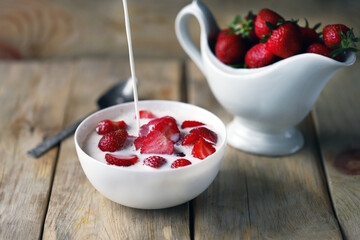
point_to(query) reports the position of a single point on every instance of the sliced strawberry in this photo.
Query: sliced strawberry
(202, 149)
(144, 130)
(107, 126)
(121, 160)
(205, 133)
(138, 142)
(146, 114)
(169, 128)
(190, 139)
(189, 124)
(156, 142)
(157, 120)
(182, 162)
(113, 141)
(154, 161)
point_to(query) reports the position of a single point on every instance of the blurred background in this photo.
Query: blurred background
(76, 28)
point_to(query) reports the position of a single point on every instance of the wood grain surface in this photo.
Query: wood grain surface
(257, 197)
(31, 108)
(337, 117)
(302, 196)
(76, 209)
(62, 28)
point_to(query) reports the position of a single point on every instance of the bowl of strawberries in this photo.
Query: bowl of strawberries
(170, 158)
(267, 71)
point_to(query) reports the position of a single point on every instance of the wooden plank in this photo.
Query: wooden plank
(261, 197)
(31, 108)
(53, 28)
(337, 118)
(76, 209)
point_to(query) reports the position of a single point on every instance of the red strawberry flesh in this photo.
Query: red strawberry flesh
(146, 114)
(157, 143)
(169, 128)
(121, 160)
(202, 149)
(190, 124)
(205, 133)
(190, 139)
(138, 142)
(107, 126)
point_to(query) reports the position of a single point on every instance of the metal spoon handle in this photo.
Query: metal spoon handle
(53, 141)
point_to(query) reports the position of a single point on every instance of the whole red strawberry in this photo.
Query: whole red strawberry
(319, 48)
(285, 41)
(182, 162)
(309, 35)
(331, 34)
(113, 141)
(229, 47)
(339, 38)
(259, 56)
(266, 15)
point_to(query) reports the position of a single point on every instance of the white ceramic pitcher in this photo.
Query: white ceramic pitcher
(267, 102)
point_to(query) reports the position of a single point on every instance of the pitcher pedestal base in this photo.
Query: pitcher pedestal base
(248, 140)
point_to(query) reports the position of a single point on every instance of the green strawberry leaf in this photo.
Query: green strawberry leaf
(306, 23)
(270, 25)
(336, 52)
(238, 65)
(316, 26)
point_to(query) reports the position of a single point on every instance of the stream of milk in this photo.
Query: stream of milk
(132, 64)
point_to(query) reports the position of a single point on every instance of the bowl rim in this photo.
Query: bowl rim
(222, 145)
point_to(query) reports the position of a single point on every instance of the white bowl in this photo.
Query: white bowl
(140, 188)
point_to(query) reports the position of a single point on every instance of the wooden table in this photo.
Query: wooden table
(302, 196)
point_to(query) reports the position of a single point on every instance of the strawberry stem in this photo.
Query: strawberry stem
(348, 42)
(242, 26)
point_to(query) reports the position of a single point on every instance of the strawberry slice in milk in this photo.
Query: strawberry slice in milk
(162, 141)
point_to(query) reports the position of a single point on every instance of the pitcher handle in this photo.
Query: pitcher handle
(208, 28)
